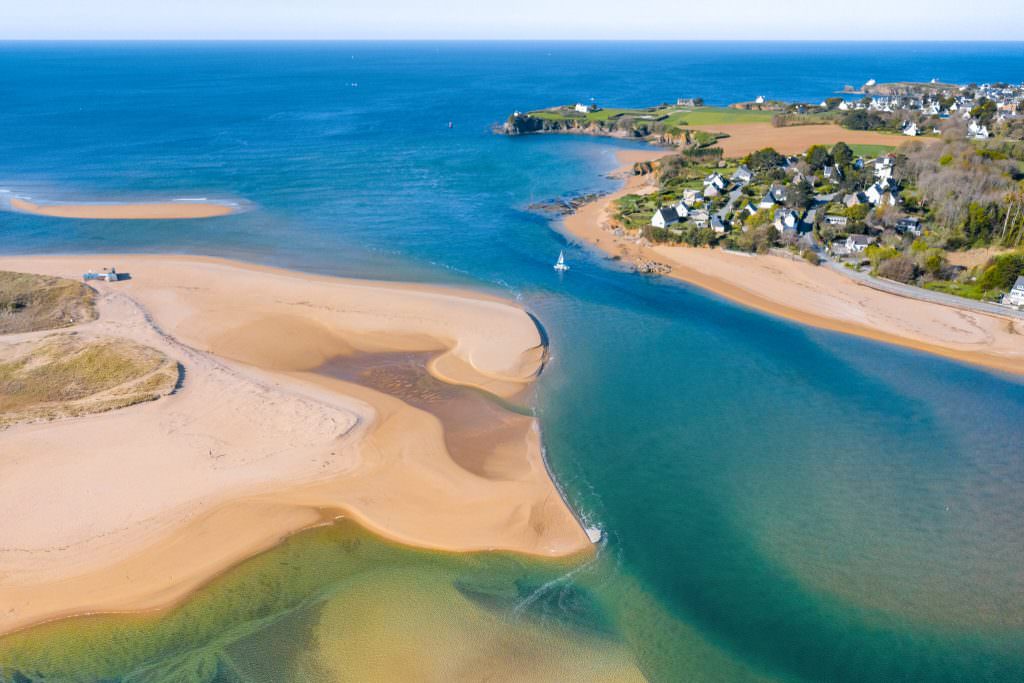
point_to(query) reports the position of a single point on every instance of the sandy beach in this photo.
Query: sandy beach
(812, 295)
(133, 509)
(140, 211)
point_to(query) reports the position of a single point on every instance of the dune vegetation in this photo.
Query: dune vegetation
(29, 303)
(67, 375)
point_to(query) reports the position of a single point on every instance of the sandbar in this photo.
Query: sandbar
(131, 211)
(134, 509)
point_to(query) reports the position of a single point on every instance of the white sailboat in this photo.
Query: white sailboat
(560, 264)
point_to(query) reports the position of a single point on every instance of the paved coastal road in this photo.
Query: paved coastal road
(920, 293)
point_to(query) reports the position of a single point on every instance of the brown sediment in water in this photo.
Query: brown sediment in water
(155, 500)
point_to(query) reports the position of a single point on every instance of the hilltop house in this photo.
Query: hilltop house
(1015, 297)
(584, 108)
(664, 217)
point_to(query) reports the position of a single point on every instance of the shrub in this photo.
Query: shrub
(899, 268)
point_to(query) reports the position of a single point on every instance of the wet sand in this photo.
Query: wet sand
(135, 509)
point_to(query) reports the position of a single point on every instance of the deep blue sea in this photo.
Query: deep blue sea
(781, 502)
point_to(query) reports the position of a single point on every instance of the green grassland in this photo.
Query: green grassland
(64, 375)
(668, 116)
(38, 302)
(868, 151)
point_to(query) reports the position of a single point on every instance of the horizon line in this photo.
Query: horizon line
(498, 40)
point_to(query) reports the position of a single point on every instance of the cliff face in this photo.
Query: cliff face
(525, 124)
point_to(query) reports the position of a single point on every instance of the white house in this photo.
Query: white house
(585, 108)
(909, 224)
(833, 219)
(858, 243)
(767, 201)
(844, 106)
(743, 175)
(1015, 297)
(854, 199)
(715, 180)
(832, 173)
(691, 197)
(786, 220)
(883, 168)
(717, 225)
(759, 100)
(877, 194)
(910, 129)
(700, 218)
(664, 217)
(682, 210)
(976, 131)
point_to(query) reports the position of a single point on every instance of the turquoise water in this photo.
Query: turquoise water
(780, 502)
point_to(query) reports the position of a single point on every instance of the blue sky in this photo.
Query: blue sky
(485, 19)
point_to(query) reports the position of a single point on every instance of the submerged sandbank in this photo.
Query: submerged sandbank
(129, 211)
(135, 509)
(813, 295)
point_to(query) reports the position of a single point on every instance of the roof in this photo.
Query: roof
(860, 239)
(668, 213)
(1019, 284)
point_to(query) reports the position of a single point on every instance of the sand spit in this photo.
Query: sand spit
(812, 295)
(133, 509)
(140, 211)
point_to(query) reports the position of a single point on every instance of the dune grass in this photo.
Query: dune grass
(38, 302)
(64, 375)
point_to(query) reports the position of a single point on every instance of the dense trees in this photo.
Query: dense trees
(764, 159)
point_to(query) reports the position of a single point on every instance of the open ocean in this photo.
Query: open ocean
(780, 502)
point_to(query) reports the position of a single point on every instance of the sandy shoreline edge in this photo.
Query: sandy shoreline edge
(811, 295)
(133, 510)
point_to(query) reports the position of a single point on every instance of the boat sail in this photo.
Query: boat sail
(560, 264)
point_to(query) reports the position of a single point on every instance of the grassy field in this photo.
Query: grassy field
(669, 116)
(64, 375)
(969, 291)
(39, 302)
(871, 150)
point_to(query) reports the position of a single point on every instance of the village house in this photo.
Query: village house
(716, 181)
(664, 217)
(691, 197)
(786, 220)
(857, 243)
(682, 210)
(879, 195)
(700, 218)
(910, 225)
(854, 199)
(742, 175)
(1015, 297)
(835, 219)
(832, 173)
(717, 225)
